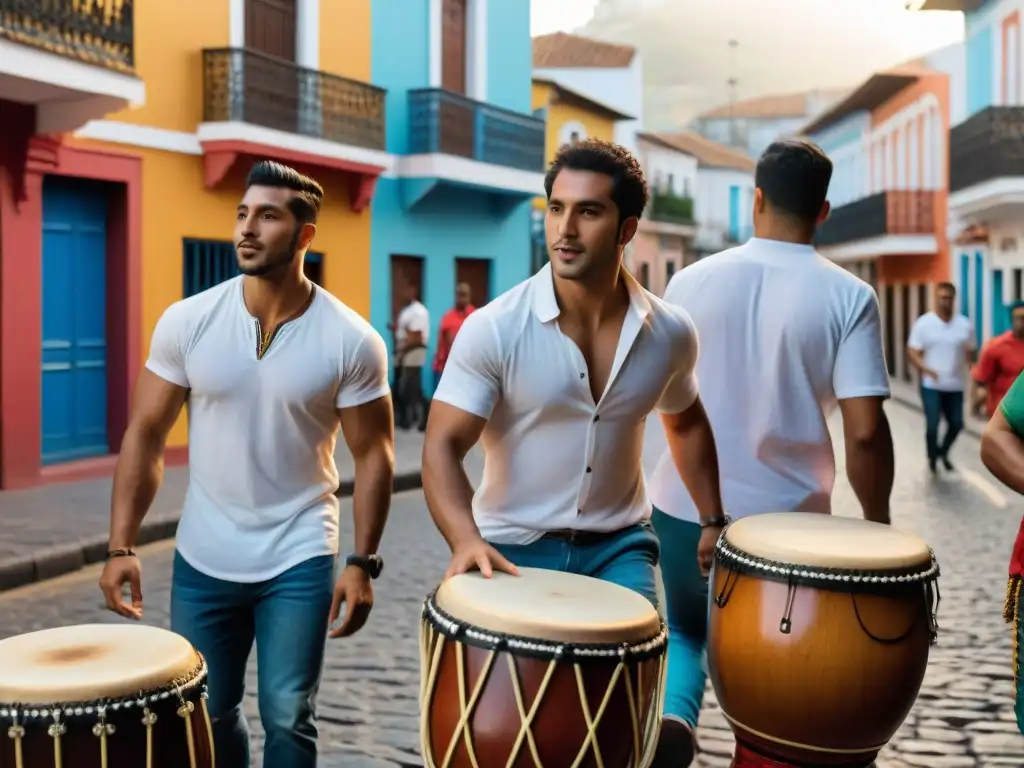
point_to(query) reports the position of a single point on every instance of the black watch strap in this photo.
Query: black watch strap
(716, 522)
(112, 553)
(371, 564)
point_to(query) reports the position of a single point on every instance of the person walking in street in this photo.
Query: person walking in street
(999, 364)
(271, 366)
(941, 346)
(451, 322)
(1002, 452)
(786, 337)
(412, 334)
(557, 376)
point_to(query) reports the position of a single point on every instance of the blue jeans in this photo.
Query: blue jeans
(937, 406)
(686, 609)
(627, 558)
(287, 616)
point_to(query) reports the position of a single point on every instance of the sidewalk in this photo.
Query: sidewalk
(54, 529)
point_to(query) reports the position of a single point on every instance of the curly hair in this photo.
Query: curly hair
(629, 187)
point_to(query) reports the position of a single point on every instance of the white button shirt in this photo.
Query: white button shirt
(555, 459)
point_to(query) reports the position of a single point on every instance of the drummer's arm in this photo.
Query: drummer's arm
(159, 396)
(465, 397)
(1002, 450)
(861, 384)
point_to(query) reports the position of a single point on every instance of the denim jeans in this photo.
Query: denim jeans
(941, 405)
(287, 616)
(686, 610)
(628, 558)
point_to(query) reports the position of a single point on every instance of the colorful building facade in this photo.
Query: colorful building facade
(468, 152)
(888, 224)
(125, 202)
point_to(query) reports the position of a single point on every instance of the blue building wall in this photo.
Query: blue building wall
(980, 69)
(509, 55)
(851, 128)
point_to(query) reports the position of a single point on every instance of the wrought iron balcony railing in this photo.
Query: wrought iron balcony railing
(246, 86)
(986, 146)
(897, 212)
(447, 123)
(671, 209)
(99, 32)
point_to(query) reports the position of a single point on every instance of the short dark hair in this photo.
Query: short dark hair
(629, 187)
(794, 174)
(1015, 306)
(946, 286)
(305, 206)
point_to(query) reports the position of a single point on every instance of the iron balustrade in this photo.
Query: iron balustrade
(896, 212)
(99, 32)
(451, 124)
(986, 146)
(250, 87)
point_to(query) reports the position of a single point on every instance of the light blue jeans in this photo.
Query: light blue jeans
(628, 558)
(287, 617)
(686, 609)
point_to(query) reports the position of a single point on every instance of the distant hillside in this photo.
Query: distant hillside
(784, 46)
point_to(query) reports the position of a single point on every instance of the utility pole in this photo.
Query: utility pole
(733, 81)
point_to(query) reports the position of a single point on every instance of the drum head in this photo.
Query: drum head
(90, 662)
(550, 605)
(827, 541)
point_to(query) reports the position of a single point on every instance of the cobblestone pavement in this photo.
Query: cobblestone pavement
(369, 705)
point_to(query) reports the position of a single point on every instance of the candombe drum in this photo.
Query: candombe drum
(820, 629)
(103, 696)
(545, 669)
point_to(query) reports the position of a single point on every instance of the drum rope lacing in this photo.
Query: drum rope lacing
(792, 574)
(60, 713)
(438, 626)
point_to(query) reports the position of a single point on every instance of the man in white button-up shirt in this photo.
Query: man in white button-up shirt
(558, 376)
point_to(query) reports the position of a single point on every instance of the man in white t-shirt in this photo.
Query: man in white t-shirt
(785, 335)
(557, 377)
(942, 347)
(270, 366)
(412, 334)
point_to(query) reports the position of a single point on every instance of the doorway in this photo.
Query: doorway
(476, 273)
(405, 271)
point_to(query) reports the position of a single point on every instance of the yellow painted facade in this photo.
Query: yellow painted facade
(176, 204)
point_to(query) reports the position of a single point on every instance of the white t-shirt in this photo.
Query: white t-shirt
(414, 317)
(945, 348)
(554, 459)
(784, 334)
(262, 433)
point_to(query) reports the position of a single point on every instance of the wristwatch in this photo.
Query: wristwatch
(715, 522)
(372, 564)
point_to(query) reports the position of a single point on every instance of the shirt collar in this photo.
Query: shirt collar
(545, 303)
(780, 247)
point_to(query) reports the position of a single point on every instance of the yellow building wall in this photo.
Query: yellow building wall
(175, 201)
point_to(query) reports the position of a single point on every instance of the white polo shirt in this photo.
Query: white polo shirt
(785, 333)
(262, 433)
(944, 347)
(555, 459)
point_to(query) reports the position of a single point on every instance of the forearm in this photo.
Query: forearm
(870, 469)
(916, 358)
(695, 456)
(1003, 454)
(449, 493)
(137, 477)
(371, 500)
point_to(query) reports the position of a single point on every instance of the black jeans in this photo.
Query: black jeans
(410, 404)
(937, 406)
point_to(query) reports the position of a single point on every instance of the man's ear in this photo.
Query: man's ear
(628, 230)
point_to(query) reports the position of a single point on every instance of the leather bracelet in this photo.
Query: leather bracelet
(112, 553)
(718, 522)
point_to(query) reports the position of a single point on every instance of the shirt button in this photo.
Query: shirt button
(588, 469)
(583, 375)
(579, 511)
(597, 418)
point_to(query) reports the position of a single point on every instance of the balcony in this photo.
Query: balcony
(255, 104)
(471, 144)
(669, 214)
(986, 164)
(897, 221)
(73, 61)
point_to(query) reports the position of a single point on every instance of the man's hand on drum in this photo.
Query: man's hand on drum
(477, 554)
(116, 573)
(354, 590)
(706, 548)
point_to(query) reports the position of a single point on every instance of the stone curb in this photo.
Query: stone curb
(57, 561)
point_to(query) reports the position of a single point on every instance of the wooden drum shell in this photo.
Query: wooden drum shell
(826, 693)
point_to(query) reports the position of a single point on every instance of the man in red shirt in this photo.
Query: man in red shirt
(1001, 361)
(450, 324)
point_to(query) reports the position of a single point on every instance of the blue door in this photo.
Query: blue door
(734, 213)
(74, 376)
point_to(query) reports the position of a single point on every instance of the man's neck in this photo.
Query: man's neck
(591, 301)
(272, 300)
(945, 316)
(785, 234)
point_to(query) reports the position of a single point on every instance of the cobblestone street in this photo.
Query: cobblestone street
(369, 702)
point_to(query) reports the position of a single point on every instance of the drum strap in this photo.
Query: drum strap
(1011, 614)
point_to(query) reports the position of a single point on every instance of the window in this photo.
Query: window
(574, 137)
(210, 262)
(645, 275)
(670, 269)
(671, 184)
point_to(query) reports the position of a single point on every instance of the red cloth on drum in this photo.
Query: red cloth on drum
(1011, 608)
(745, 758)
